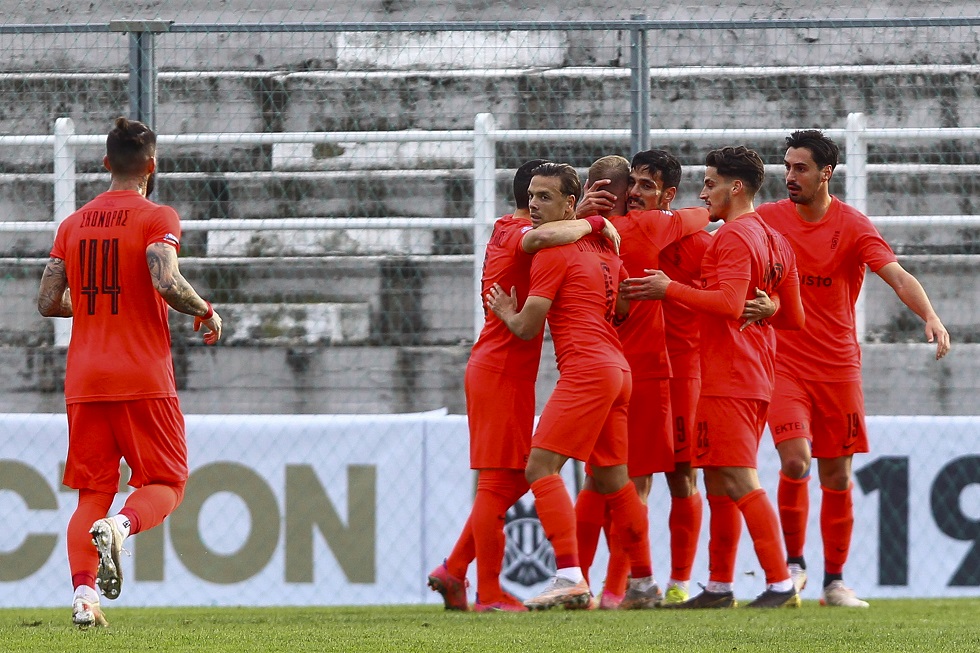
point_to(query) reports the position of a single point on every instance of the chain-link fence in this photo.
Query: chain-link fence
(325, 172)
(327, 167)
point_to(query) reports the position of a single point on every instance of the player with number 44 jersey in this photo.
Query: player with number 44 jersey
(113, 269)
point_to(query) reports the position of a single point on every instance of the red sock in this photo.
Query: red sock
(836, 524)
(793, 498)
(763, 525)
(149, 505)
(724, 529)
(496, 492)
(618, 568)
(557, 515)
(685, 529)
(590, 515)
(83, 557)
(631, 525)
(464, 551)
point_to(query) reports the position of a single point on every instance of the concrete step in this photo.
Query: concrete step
(378, 299)
(899, 379)
(428, 300)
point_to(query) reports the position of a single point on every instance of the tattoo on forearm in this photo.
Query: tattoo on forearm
(175, 290)
(53, 299)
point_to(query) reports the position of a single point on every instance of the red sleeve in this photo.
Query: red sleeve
(727, 301)
(58, 248)
(789, 312)
(692, 220)
(163, 227)
(875, 251)
(547, 273)
(665, 227)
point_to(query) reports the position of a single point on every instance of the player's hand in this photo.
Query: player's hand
(213, 326)
(502, 304)
(936, 332)
(595, 201)
(652, 286)
(758, 309)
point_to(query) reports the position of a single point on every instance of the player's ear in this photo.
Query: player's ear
(669, 194)
(105, 163)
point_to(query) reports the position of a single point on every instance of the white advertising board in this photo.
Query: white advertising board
(355, 510)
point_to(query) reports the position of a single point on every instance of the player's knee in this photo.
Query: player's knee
(796, 467)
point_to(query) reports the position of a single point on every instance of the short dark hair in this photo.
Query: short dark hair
(660, 161)
(571, 184)
(129, 146)
(825, 151)
(522, 179)
(738, 162)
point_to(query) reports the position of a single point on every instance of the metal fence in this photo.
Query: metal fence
(335, 181)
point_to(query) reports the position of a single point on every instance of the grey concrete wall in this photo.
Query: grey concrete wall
(899, 379)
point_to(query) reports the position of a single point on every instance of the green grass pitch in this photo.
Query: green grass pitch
(888, 626)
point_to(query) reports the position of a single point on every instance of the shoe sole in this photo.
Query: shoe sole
(576, 602)
(790, 603)
(719, 605)
(436, 585)
(109, 576)
(859, 606)
(88, 619)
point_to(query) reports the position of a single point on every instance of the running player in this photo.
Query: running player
(737, 372)
(113, 268)
(818, 406)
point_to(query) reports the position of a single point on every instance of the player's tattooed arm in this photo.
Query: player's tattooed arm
(168, 281)
(53, 298)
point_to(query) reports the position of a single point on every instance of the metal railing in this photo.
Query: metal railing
(484, 138)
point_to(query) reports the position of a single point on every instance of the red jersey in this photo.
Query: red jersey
(741, 364)
(831, 255)
(120, 340)
(582, 281)
(508, 264)
(681, 261)
(644, 235)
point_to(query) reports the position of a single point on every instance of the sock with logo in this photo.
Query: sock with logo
(793, 497)
(557, 516)
(83, 558)
(684, 524)
(590, 514)
(630, 523)
(763, 525)
(836, 525)
(149, 505)
(725, 529)
(496, 491)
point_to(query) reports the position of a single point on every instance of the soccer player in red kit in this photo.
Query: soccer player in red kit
(737, 369)
(113, 269)
(818, 406)
(654, 179)
(502, 370)
(575, 288)
(645, 234)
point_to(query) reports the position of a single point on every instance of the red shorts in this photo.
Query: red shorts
(828, 414)
(147, 433)
(651, 447)
(727, 432)
(684, 393)
(500, 413)
(586, 418)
